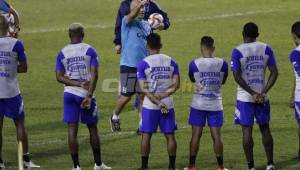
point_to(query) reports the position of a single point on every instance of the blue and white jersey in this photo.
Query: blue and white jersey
(134, 42)
(295, 60)
(76, 60)
(11, 53)
(158, 71)
(208, 74)
(252, 59)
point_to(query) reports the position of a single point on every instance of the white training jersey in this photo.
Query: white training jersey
(76, 60)
(11, 53)
(208, 75)
(158, 71)
(295, 60)
(252, 59)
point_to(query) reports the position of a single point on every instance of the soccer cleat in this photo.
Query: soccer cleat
(270, 167)
(190, 167)
(77, 168)
(102, 166)
(30, 165)
(2, 166)
(115, 124)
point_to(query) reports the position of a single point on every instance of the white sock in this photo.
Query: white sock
(115, 117)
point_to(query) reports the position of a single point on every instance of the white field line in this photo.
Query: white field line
(198, 18)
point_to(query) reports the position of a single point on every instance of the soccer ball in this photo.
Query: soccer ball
(12, 30)
(155, 19)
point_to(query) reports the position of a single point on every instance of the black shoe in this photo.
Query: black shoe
(114, 124)
(142, 168)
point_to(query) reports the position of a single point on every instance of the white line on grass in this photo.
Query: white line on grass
(197, 18)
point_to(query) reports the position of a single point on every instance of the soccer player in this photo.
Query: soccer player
(158, 76)
(249, 63)
(134, 33)
(150, 8)
(208, 73)
(77, 68)
(295, 60)
(12, 16)
(12, 61)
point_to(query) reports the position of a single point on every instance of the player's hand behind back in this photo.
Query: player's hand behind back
(163, 108)
(86, 103)
(85, 85)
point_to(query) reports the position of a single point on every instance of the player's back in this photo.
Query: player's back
(253, 58)
(159, 75)
(208, 74)
(76, 60)
(9, 58)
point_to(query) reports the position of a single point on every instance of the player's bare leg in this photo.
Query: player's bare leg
(218, 145)
(95, 143)
(1, 139)
(248, 145)
(114, 119)
(145, 149)
(267, 141)
(141, 97)
(194, 144)
(22, 136)
(172, 149)
(73, 143)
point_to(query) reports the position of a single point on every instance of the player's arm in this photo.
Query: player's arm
(237, 73)
(172, 89)
(273, 70)
(135, 11)
(61, 78)
(123, 11)
(22, 58)
(272, 78)
(241, 82)
(292, 99)
(224, 69)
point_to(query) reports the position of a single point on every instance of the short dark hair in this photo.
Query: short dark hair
(154, 41)
(3, 23)
(250, 30)
(207, 41)
(76, 30)
(296, 29)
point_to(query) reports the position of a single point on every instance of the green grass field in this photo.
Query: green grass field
(44, 33)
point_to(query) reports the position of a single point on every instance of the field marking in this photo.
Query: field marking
(197, 18)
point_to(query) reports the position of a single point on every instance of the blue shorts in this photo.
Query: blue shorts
(12, 108)
(73, 112)
(245, 112)
(199, 118)
(151, 119)
(297, 111)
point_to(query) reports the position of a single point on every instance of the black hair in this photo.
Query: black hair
(250, 30)
(296, 29)
(207, 41)
(154, 41)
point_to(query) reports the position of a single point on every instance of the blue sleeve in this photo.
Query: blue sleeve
(176, 68)
(142, 66)
(224, 67)
(20, 50)
(154, 8)
(192, 69)
(4, 6)
(271, 60)
(235, 60)
(123, 11)
(295, 60)
(94, 56)
(59, 64)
